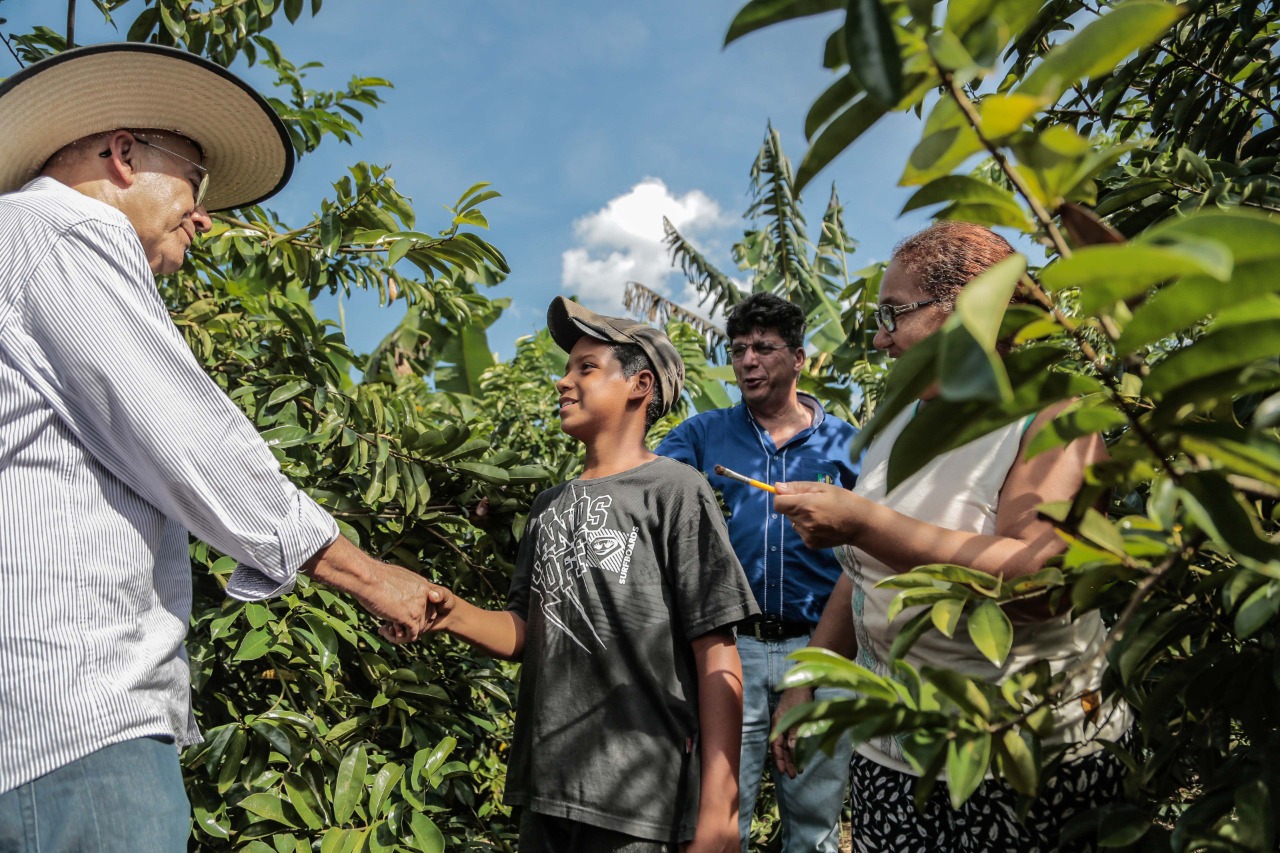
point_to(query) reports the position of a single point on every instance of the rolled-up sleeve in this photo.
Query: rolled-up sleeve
(91, 333)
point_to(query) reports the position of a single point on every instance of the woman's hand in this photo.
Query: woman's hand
(824, 515)
(783, 745)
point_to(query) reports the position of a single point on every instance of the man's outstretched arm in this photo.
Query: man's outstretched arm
(390, 592)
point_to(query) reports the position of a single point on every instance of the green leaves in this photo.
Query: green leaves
(758, 14)
(842, 131)
(426, 835)
(967, 761)
(872, 48)
(1098, 47)
(1107, 274)
(1220, 351)
(350, 785)
(971, 200)
(991, 631)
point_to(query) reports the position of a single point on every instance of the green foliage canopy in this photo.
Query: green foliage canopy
(1137, 141)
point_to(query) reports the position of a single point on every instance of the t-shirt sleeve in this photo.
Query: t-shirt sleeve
(95, 340)
(711, 590)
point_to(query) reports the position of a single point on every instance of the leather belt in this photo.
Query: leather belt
(773, 628)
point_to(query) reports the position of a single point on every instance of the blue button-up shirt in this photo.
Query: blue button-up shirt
(790, 580)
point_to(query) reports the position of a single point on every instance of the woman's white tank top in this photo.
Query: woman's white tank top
(960, 490)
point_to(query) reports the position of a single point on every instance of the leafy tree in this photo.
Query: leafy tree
(1156, 315)
(319, 735)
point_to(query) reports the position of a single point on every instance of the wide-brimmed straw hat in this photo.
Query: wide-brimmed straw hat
(134, 86)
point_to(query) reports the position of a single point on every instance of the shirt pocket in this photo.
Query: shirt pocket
(814, 471)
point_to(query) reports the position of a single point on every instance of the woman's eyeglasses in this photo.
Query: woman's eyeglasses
(887, 315)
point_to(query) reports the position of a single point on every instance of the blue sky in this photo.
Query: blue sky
(592, 119)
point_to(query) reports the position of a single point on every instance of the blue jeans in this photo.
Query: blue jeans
(124, 798)
(808, 805)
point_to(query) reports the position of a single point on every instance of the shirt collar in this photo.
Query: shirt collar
(808, 400)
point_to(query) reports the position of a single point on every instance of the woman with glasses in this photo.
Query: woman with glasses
(973, 506)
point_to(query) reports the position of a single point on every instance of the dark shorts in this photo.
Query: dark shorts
(885, 819)
(542, 834)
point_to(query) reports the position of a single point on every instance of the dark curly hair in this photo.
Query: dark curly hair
(767, 312)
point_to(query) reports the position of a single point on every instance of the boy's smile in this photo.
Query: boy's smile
(593, 390)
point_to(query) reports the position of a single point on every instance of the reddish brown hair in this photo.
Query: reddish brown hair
(946, 255)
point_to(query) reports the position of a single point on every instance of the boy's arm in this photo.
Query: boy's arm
(720, 723)
(499, 633)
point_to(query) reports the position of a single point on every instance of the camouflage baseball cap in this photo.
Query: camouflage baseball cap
(568, 321)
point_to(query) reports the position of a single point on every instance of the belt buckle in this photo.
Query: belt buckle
(769, 628)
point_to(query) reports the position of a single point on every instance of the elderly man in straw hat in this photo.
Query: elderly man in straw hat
(114, 445)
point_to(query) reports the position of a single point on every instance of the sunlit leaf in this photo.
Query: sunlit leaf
(991, 631)
(1017, 763)
(254, 645)
(1003, 115)
(426, 835)
(946, 615)
(268, 806)
(960, 188)
(967, 760)
(1100, 46)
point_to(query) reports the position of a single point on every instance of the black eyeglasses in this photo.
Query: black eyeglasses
(887, 315)
(200, 189)
(762, 350)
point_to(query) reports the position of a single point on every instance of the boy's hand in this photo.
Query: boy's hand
(707, 840)
(440, 604)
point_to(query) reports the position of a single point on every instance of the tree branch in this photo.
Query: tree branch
(1038, 209)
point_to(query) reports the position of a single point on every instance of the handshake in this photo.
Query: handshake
(409, 604)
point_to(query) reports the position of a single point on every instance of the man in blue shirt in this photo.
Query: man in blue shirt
(775, 434)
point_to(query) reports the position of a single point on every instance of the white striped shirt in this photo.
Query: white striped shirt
(113, 445)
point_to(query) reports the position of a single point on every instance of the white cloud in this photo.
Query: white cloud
(622, 242)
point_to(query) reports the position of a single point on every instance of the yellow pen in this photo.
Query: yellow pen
(725, 472)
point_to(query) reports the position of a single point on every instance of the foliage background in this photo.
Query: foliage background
(1157, 311)
(1137, 141)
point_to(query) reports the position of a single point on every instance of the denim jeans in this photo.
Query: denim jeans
(124, 798)
(809, 805)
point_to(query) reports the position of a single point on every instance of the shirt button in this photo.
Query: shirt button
(773, 548)
(775, 515)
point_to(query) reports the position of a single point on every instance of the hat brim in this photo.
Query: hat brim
(567, 321)
(136, 86)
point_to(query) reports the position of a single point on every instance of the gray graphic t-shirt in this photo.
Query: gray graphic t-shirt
(615, 577)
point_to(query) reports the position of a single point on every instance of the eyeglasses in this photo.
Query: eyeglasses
(200, 189)
(762, 350)
(887, 315)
